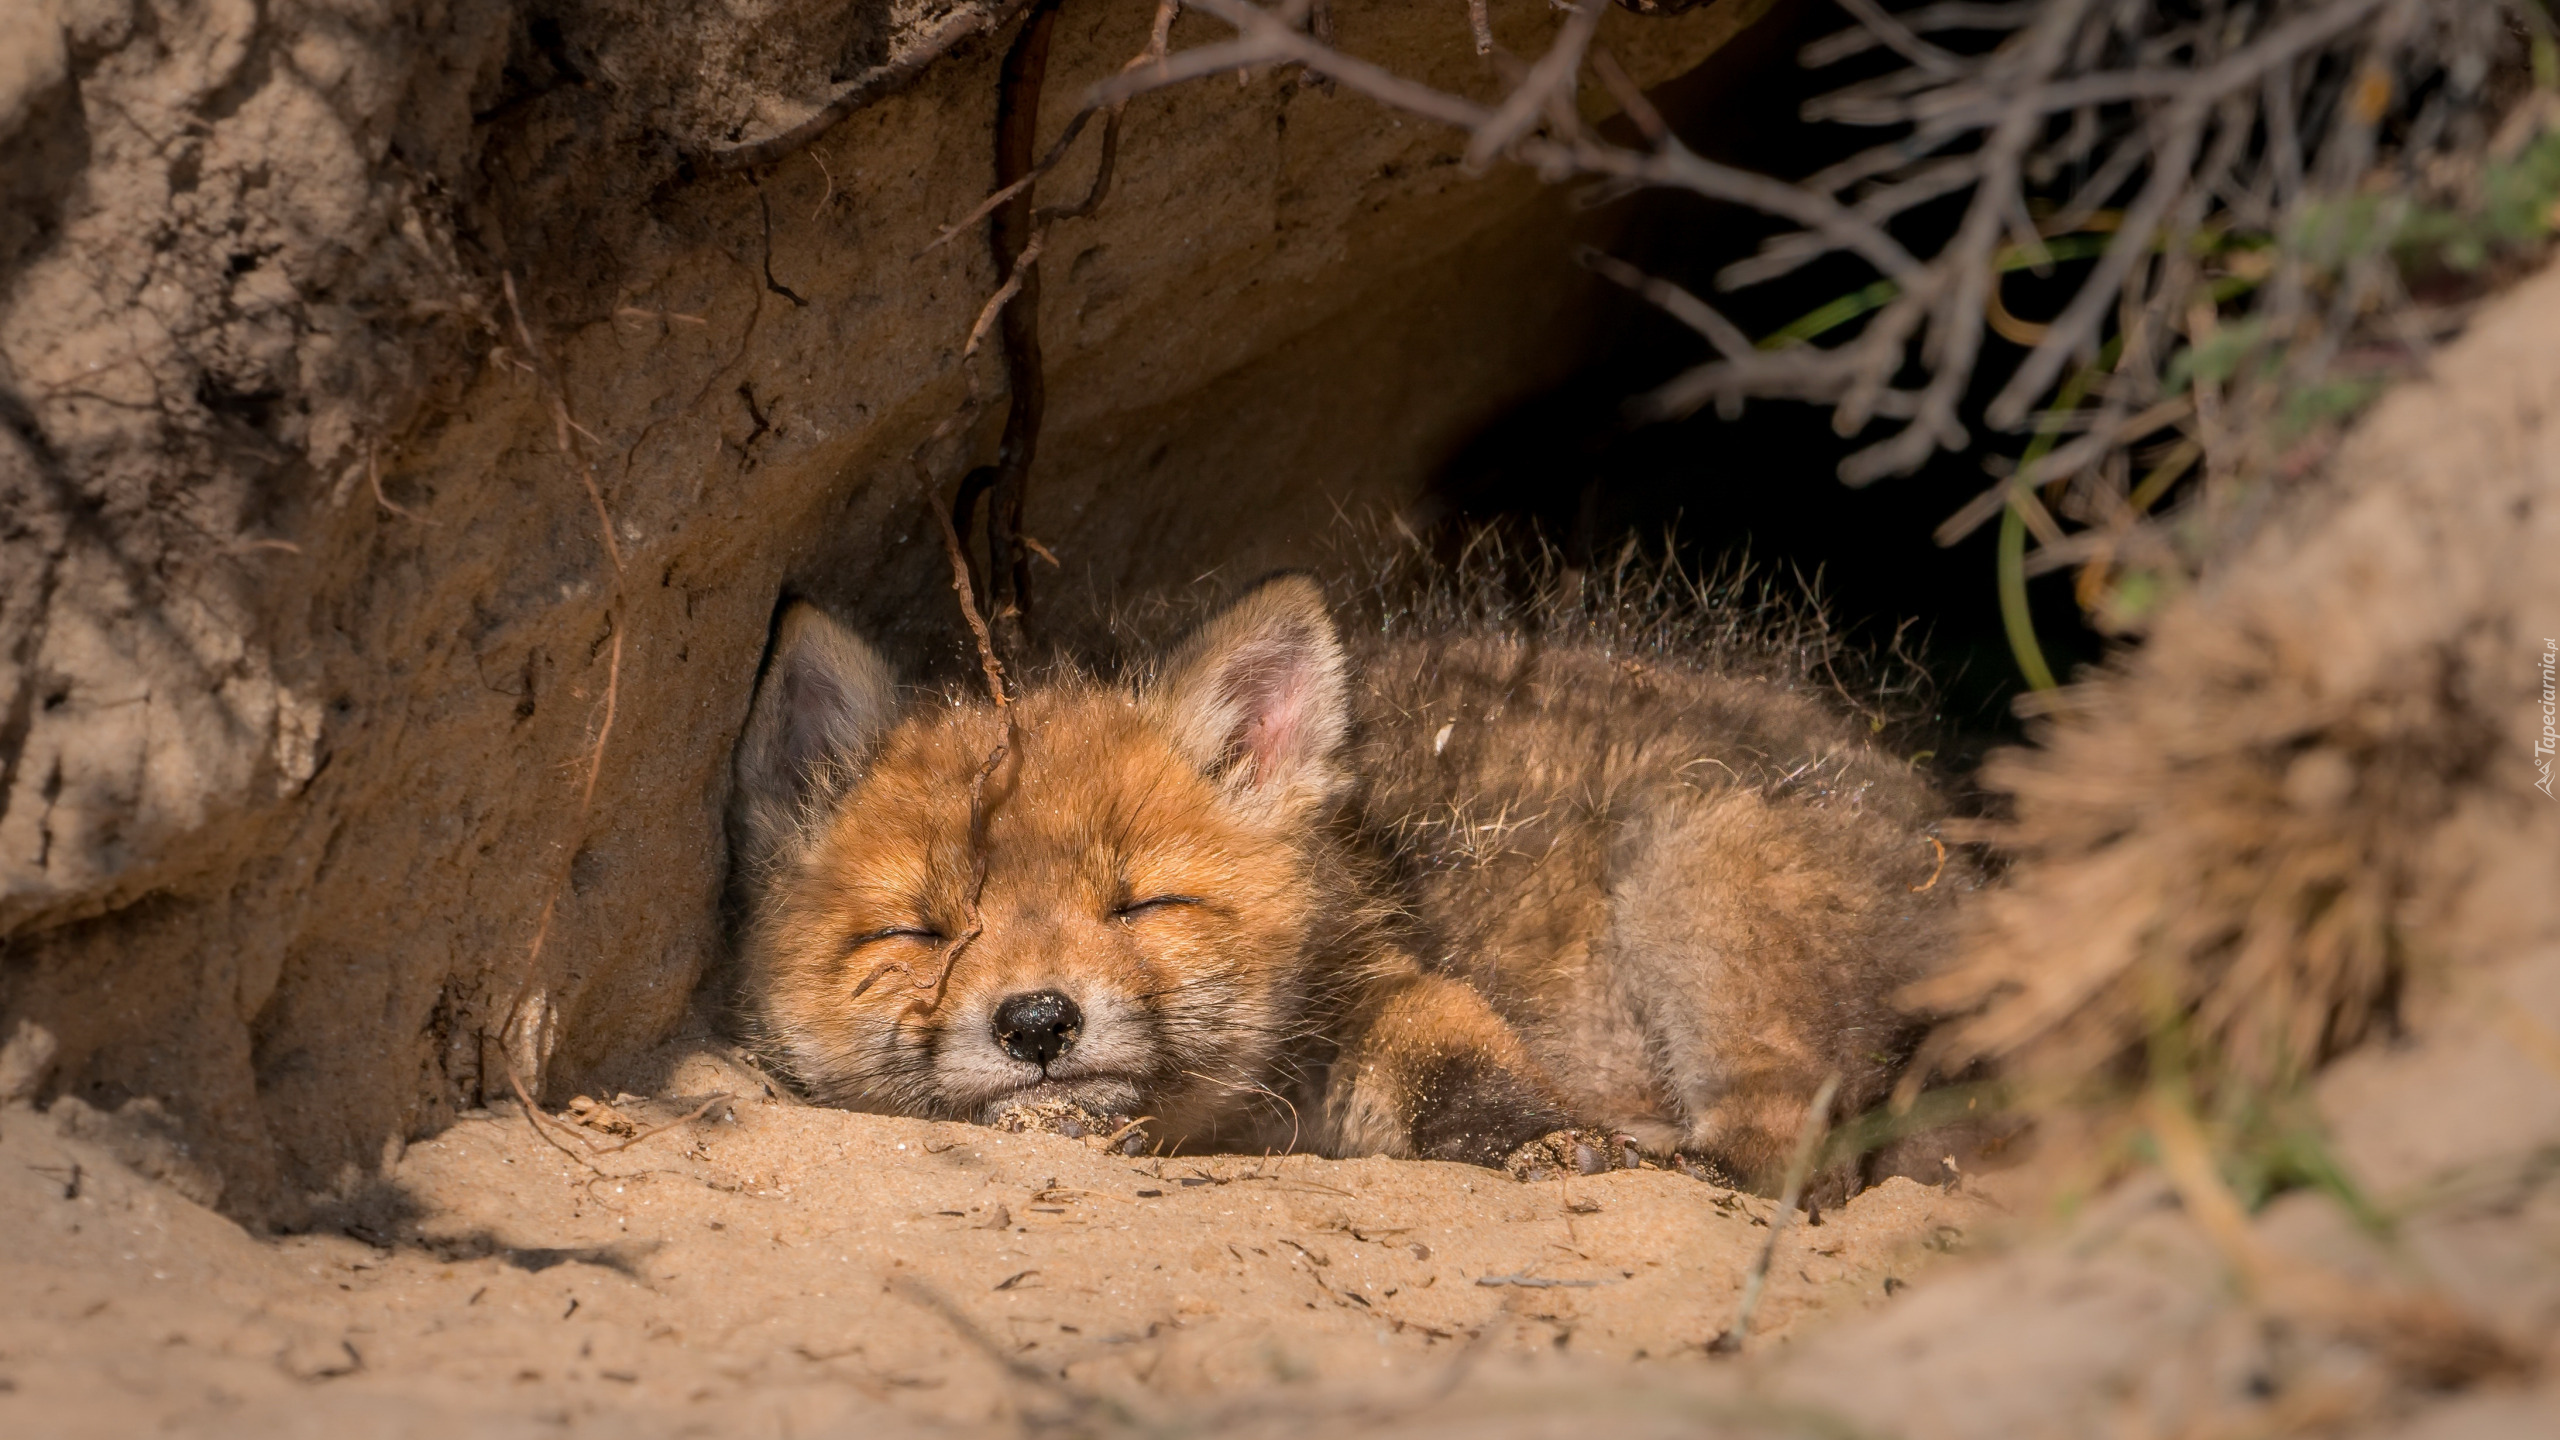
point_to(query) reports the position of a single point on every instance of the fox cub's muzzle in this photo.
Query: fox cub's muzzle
(1038, 1027)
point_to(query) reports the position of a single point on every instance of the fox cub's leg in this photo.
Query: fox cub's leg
(1430, 1072)
(1765, 940)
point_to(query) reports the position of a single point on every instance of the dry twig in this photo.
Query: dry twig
(992, 670)
(1817, 1121)
(681, 1121)
(2133, 138)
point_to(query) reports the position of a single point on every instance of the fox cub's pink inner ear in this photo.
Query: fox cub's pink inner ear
(824, 698)
(1258, 697)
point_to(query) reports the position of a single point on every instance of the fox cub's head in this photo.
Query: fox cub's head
(1103, 902)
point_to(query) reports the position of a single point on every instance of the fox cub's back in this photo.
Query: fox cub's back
(1691, 893)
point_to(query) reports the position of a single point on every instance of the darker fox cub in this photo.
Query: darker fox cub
(1467, 893)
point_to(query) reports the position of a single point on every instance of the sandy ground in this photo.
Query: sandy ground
(770, 1269)
(774, 1269)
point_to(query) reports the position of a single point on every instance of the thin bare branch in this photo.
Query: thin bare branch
(1928, 19)
(1679, 304)
(1552, 76)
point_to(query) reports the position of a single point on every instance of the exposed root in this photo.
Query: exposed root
(563, 424)
(565, 429)
(543, 1124)
(680, 1122)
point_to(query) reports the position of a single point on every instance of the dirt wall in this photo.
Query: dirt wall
(372, 641)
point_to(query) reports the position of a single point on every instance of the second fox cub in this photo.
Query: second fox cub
(1446, 898)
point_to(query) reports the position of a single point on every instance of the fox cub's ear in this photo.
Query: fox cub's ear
(1259, 697)
(825, 697)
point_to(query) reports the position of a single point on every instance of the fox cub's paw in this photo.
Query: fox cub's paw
(1573, 1152)
(1074, 1122)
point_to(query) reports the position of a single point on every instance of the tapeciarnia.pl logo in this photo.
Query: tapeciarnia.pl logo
(2550, 737)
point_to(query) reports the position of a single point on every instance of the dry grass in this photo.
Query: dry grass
(2316, 784)
(2220, 840)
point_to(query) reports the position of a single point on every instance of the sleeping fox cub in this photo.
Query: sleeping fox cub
(1463, 900)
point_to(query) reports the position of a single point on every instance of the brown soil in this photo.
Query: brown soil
(775, 1267)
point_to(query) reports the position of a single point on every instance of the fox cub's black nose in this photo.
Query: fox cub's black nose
(1039, 1026)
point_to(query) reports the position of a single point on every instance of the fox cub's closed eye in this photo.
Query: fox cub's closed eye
(917, 933)
(1132, 909)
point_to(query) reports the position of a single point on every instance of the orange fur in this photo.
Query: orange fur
(1475, 893)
